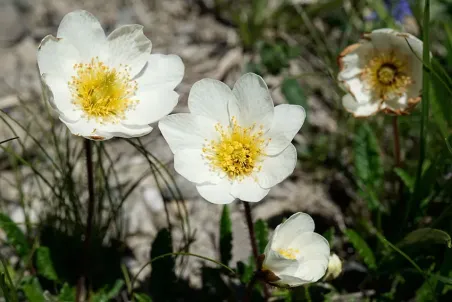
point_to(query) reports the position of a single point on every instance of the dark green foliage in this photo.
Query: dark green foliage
(293, 92)
(261, 229)
(15, 235)
(368, 166)
(362, 248)
(67, 294)
(225, 236)
(426, 236)
(33, 291)
(162, 276)
(44, 264)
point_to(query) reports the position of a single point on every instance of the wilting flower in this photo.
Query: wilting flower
(334, 268)
(233, 144)
(382, 73)
(107, 86)
(295, 255)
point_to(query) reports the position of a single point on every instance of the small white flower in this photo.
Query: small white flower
(295, 255)
(334, 268)
(383, 72)
(107, 86)
(233, 144)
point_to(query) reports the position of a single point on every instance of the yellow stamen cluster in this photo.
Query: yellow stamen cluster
(238, 151)
(101, 92)
(386, 76)
(289, 253)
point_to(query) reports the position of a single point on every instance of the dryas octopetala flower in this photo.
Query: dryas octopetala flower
(383, 72)
(334, 268)
(105, 86)
(295, 255)
(233, 144)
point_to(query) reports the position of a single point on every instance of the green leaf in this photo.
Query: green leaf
(293, 92)
(67, 294)
(426, 236)
(368, 166)
(407, 179)
(114, 291)
(162, 274)
(362, 248)
(225, 236)
(15, 235)
(44, 263)
(33, 291)
(142, 297)
(261, 230)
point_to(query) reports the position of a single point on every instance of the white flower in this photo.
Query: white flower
(107, 86)
(383, 72)
(233, 144)
(334, 268)
(295, 255)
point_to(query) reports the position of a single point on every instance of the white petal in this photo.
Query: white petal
(152, 106)
(60, 97)
(191, 164)
(278, 264)
(97, 131)
(248, 190)
(254, 103)
(290, 280)
(187, 131)
(382, 39)
(129, 46)
(57, 57)
(357, 88)
(210, 98)
(276, 168)
(286, 232)
(84, 31)
(218, 193)
(287, 121)
(359, 110)
(315, 252)
(396, 104)
(353, 59)
(161, 71)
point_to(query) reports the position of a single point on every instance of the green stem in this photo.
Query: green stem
(89, 221)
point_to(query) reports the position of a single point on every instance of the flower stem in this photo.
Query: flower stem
(249, 221)
(249, 288)
(89, 219)
(395, 127)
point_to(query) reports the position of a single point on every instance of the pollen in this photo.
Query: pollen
(238, 151)
(386, 75)
(289, 253)
(102, 93)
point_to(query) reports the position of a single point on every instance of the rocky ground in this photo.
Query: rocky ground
(208, 49)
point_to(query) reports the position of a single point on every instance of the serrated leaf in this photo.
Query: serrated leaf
(293, 92)
(33, 291)
(15, 235)
(368, 166)
(142, 297)
(67, 293)
(44, 263)
(426, 235)
(225, 236)
(261, 230)
(407, 179)
(362, 248)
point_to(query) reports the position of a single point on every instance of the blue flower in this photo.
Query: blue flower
(400, 9)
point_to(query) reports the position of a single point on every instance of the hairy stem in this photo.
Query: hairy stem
(89, 220)
(249, 222)
(395, 127)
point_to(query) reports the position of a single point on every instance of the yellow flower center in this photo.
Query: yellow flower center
(238, 151)
(101, 92)
(289, 253)
(386, 75)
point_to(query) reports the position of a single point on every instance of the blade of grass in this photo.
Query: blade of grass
(424, 114)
